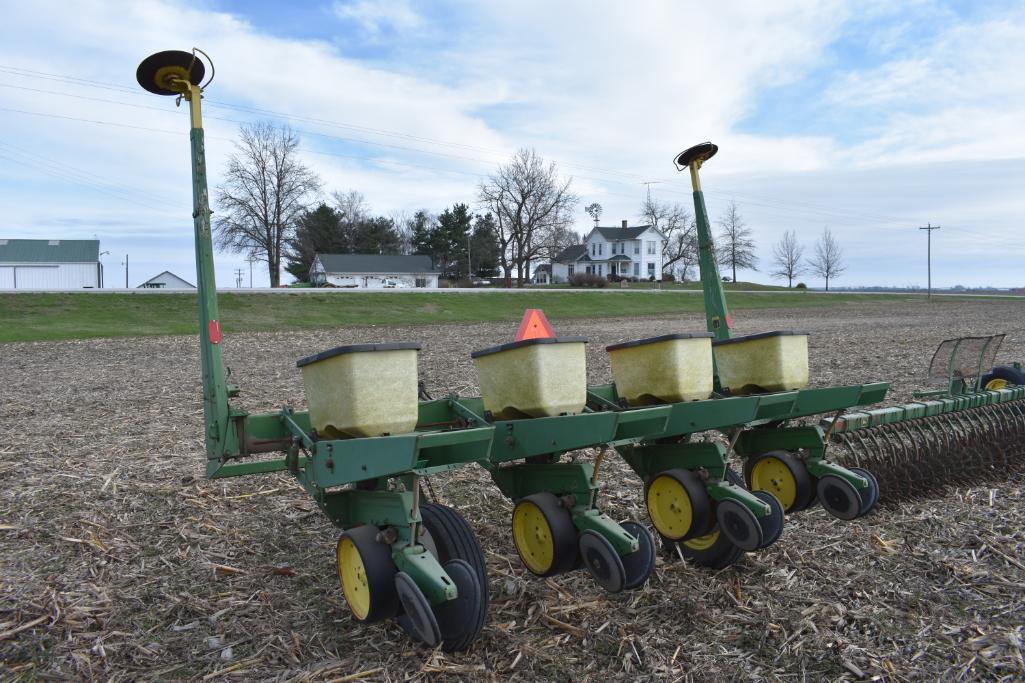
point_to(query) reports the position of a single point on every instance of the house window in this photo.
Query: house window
(651, 248)
(637, 247)
(587, 269)
(637, 270)
(599, 269)
(569, 271)
(600, 248)
(421, 282)
(651, 270)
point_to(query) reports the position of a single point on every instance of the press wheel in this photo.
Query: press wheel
(544, 535)
(460, 620)
(739, 524)
(772, 524)
(783, 475)
(678, 505)
(839, 497)
(420, 616)
(870, 496)
(367, 574)
(602, 561)
(448, 537)
(639, 564)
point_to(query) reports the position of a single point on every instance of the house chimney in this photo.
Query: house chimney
(624, 224)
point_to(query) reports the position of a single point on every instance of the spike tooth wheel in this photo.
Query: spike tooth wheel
(367, 574)
(544, 535)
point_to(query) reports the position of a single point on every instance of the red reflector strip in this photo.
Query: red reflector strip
(215, 332)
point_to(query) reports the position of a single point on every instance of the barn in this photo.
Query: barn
(373, 271)
(50, 264)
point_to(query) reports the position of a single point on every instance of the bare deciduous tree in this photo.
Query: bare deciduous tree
(265, 190)
(529, 201)
(680, 248)
(786, 258)
(736, 248)
(828, 259)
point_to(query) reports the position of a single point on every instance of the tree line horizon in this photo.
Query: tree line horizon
(272, 209)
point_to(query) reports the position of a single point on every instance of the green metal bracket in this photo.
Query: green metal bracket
(589, 519)
(647, 460)
(723, 490)
(425, 570)
(560, 478)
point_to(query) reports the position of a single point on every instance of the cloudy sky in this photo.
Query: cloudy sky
(870, 117)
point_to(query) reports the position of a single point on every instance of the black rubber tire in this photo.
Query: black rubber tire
(772, 526)
(454, 538)
(380, 572)
(564, 534)
(461, 620)
(870, 496)
(804, 484)
(739, 524)
(638, 565)
(839, 498)
(1008, 373)
(702, 516)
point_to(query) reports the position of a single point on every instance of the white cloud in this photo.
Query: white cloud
(374, 16)
(611, 91)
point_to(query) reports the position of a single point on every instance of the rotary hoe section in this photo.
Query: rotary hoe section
(969, 431)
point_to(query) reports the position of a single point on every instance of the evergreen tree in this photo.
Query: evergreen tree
(484, 246)
(317, 231)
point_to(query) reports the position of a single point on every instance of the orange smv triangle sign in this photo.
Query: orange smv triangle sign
(534, 325)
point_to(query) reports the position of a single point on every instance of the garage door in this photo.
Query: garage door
(6, 277)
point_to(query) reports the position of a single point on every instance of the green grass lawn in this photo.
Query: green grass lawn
(42, 316)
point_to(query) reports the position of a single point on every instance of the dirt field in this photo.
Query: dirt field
(119, 561)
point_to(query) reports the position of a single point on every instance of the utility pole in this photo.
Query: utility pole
(239, 272)
(125, 264)
(469, 266)
(929, 227)
(250, 260)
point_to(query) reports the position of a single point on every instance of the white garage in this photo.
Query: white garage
(373, 271)
(50, 264)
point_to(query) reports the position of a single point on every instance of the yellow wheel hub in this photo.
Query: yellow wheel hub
(996, 384)
(353, 576)
(533, 537)
(703, 542)
(772, 475)
(670, 507)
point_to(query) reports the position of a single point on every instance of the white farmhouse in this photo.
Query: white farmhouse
(373, 271)
(50, 264)
(624, 252)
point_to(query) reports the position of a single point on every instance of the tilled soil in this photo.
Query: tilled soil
(118, 560)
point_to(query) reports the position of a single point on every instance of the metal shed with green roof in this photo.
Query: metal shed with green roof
(50, 264)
